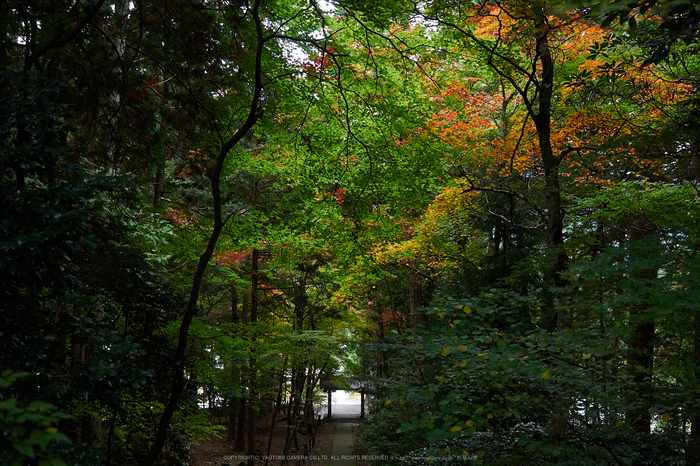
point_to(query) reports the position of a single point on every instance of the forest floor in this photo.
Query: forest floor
(218, 450)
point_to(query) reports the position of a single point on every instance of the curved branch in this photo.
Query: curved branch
(254, 114)
(58, 40)
(519, 195)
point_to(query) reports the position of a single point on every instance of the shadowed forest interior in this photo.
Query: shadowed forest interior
(480, 217)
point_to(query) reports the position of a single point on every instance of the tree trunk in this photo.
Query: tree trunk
(240, 431)
(550, 163)
(640, 364)
(555, 212)
(693, 451)
(278, 403)
(158, 186)
(234, 400)
(382, 366)
(640, 352)
(293, 411)
(232, 412)
(252, 393)
(414, 295)
(178, 376)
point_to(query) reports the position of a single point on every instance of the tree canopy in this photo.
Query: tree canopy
(487, 209)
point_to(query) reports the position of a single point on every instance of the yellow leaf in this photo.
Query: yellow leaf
(469, 423)
(455, 429)
(666, 417)
(463, 348)
(467, 309)
(620, 423)
(546, 374)
(387, 402)
(445, 351)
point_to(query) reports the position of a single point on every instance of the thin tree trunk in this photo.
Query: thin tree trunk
(293, 419)
(693, 452)
(640, 353)
(414, 296)
(382, 367)
(278, 403)
(232, 418)
(252, 389)
(392, 307)
(242, 401)
(640, 363)
(178, 376)
(233, 401)
(158, 186)
(240, 431)
(290, 416)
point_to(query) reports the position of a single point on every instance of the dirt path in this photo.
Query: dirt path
(333, 439)
(343, 438)
(331, 445)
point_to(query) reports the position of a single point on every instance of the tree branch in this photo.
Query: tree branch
(60, 40)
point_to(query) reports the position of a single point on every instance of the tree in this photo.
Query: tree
(81, 304)
(580, 135)
(657, 25)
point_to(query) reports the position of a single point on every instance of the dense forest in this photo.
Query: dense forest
(488, 209)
